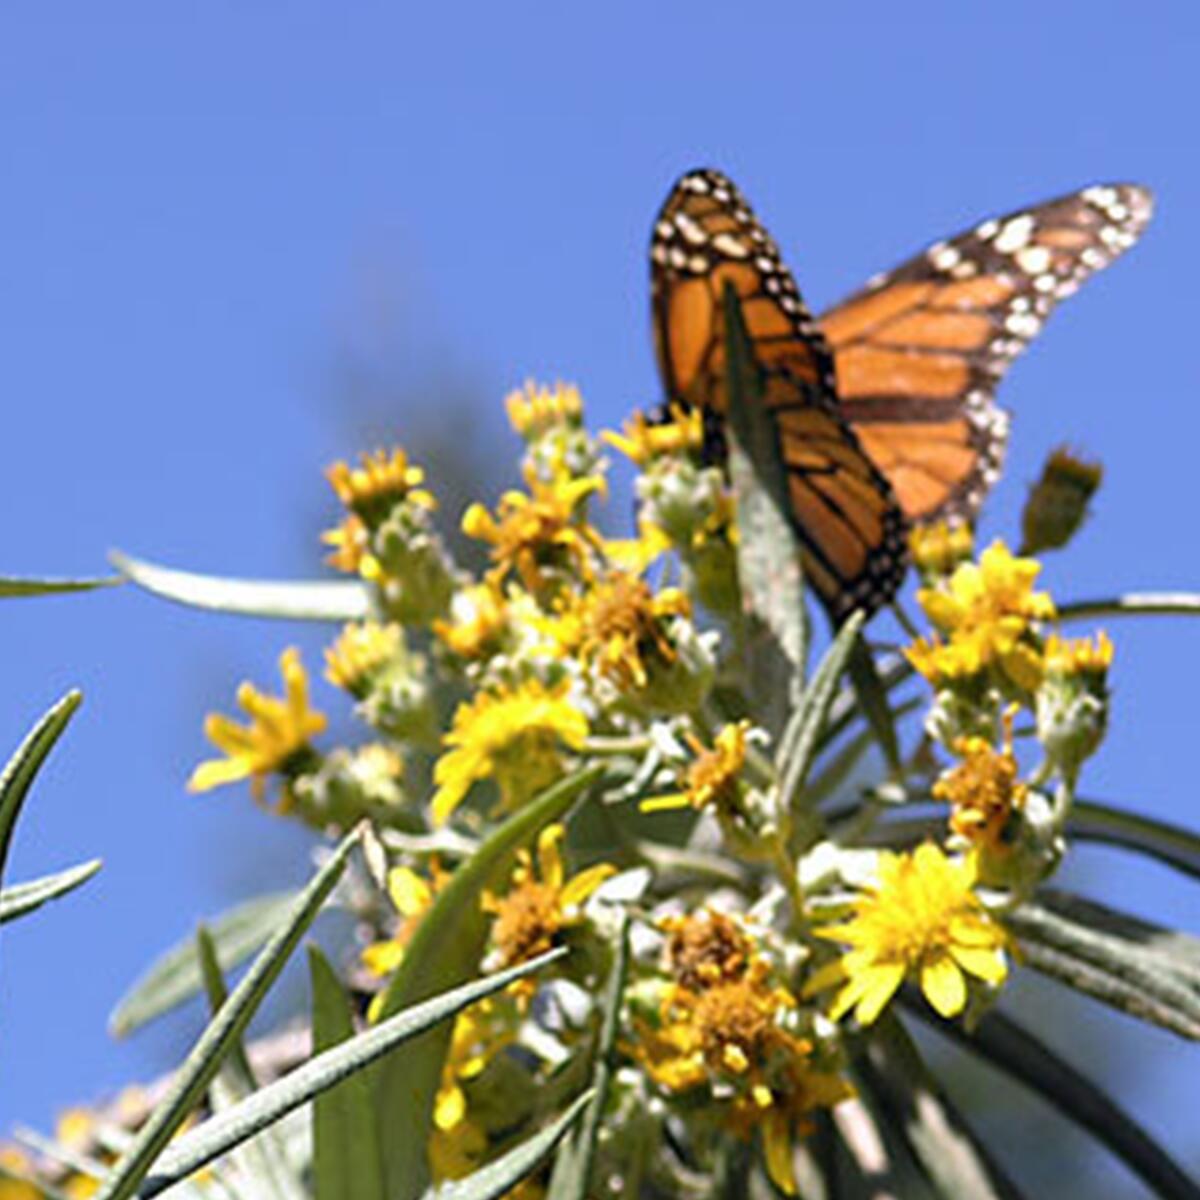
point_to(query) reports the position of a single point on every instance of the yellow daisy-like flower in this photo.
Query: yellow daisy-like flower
(939, 548)
(643, 440)
(539, 530)
(983, 789)
(712, 779)
(619, 627)
(920, 920)
(382, 481)
(540, 902)
(513, 735)
(279, 731)
(637, 554)
(984, 610)
(1079, 656)
(706, 948)
(351, 548)
(412, 895)
(361, 649)
(478, 625)
(535, 409)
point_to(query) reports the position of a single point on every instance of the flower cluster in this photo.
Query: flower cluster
(768, 937)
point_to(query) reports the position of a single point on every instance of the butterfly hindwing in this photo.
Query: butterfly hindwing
(919, 351)
(706, 238)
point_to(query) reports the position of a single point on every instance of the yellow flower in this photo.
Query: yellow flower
(938, 548)
(637, 554)
(412, 897)
(706, 948)
(985, 611)
(360, 651)
(541, 530)
(643, 440)
(540, 902)
(618, 626)
(983, 789)
(1058, 503)
(534, 410)
(921, 919)
(712, 779)
(351, 548)
(278, 732)
(1079, 656)
(14, 1161)
(480, 621)
(382, 481)
(513, 735)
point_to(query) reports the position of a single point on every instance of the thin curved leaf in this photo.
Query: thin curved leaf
(907, 1099)
(220, 1133)
(1134, 604)
(444, 952)
(347, 1160)
(1142, 969)
(12, 588)
(840, 765)
(506, 1172)
(768, 551)
(573, 1165)
(175, 977)
(1171, 844)
(319, 600)
(872, 693)
(222, 1032)
(22, 768)
(1014, 1050)
(22, 898)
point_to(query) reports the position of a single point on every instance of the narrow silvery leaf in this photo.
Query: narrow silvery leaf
(498, 1178)
(22, 898)
(573, 1165)
(222, 1033)
(49, 587)
(872, 693)
(769, 567)
(22, 768)
(1091, 820)
(219, 1134)
(319, 600)
(346, 1157)
(1133, 604)
(1015, 1051)
(444, 952)
(175, 977)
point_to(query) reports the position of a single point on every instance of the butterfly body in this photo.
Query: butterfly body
(885, 404)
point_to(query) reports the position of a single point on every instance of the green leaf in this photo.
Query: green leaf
(841, 763)
(175, 977)
(51, 587)
(1142, 969)
(1133, 604)
(222, 1032)
(20, 770)
(221, 1133)
(1171, 844)
(505, 1173)
(573, 1165)
(1014, 1050)
(347, 1163)
(768, 551)
(800, 741)
(23, 898)
(444, 952)
(262, 1164)
(320, 600)
(872, 693)
(907, 1099)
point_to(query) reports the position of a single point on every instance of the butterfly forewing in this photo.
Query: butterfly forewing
(705, 239)
(920, 350)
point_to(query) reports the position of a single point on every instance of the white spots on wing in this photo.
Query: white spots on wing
(987, 230)
(692, 231)
(658, 252)
(964, 270)
(697, 184)
(1101, 197)
(766, 264)
(1033, 260)
(943, 256)
(1046, 283)
(1093, 259)
(677, 258)
(876, 281)
(698, 264)
(1015, 234)
(731, 246)
(1023, 324)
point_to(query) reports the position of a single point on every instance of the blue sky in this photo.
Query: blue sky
(215, 216)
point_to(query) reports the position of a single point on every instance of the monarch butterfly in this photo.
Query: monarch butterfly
(885, 404)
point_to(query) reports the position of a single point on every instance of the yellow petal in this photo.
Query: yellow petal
(988, 965)
(549, 858)
(665, 803)
(410, 893)
(944, 986)
(585, 883)
(450, 1108)
(878, 986)
(216, 772)
(777, 1151)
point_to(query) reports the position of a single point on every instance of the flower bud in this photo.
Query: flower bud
(1058, 503)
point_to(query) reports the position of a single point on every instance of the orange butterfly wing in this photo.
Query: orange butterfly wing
(851, 530)
(920, 350)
